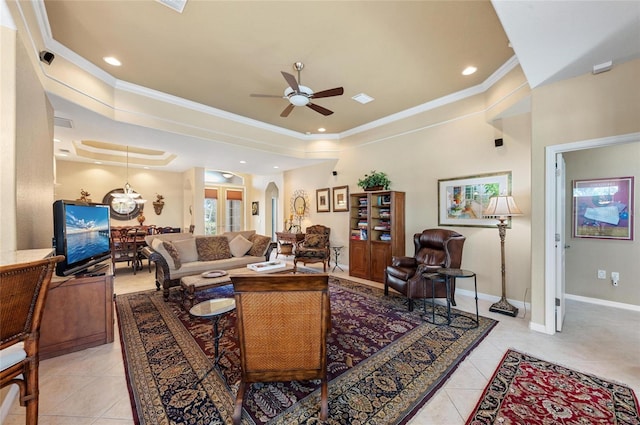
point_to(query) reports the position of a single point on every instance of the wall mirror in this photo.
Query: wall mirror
(299, 205)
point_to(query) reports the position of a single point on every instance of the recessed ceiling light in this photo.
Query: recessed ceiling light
(275, 166)
(469, 70)
(322, 129)
(112, 61)
(243, 162)
(57, 140)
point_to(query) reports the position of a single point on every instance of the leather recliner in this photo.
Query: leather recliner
(434, 249)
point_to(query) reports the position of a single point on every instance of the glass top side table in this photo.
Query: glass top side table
(461, 273)
(336, 254)
(214, 309)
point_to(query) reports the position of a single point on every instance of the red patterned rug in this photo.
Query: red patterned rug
(527, 390)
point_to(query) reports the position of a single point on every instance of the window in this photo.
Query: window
(227, 216)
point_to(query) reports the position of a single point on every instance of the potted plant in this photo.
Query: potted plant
(376, 180)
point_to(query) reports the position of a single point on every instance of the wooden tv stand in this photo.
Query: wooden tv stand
(78, 314)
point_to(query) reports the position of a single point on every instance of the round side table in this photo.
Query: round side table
(336, 254)
(460, 273)
(214, 309)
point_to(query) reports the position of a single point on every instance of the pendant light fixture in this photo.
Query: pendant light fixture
(128, 195)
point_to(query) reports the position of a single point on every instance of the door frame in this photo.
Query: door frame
(550, 213)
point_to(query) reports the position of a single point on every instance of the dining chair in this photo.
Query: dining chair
(23, 292)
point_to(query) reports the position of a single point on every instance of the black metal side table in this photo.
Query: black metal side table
(435, 277)
(460, 273)
(336, 253)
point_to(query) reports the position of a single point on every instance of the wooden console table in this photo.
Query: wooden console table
(78, 314)
(287, 242)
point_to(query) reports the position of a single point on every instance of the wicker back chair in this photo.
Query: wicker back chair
(23, 291)
(283, 323)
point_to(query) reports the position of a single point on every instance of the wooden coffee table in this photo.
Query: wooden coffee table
(189, 285)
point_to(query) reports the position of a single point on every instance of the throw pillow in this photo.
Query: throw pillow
(315, 241)
(212, 248)
(187, 250)
(260, 245)
(157, 246)
(173, 252)
(240, 246)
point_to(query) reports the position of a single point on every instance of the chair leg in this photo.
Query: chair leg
(410, 304)
(324, 401)
(237, 411)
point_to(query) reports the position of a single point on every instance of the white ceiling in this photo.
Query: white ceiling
(402, 53)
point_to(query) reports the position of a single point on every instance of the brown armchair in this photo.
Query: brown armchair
(314, 248)
(283, 322)
(23, 292)
(434, 249)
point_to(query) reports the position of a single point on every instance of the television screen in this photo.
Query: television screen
(81, 235)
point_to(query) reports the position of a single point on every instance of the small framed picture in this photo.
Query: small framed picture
(341, 198)
(255, 208)
(323, 203)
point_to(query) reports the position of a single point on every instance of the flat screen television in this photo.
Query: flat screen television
(81, 233)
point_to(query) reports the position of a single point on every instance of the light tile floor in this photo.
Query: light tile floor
(88, 387)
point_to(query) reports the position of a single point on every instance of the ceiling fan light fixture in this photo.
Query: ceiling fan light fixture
(299, 99)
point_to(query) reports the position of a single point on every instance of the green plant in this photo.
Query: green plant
(375, 178)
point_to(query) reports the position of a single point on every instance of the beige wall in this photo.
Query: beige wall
(99, 180)
(457, 142)
(27, 133)
(581, 108)
(586, 256)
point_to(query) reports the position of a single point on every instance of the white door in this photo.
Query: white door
(560, 239)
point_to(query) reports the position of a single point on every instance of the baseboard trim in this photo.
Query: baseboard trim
(599, 301)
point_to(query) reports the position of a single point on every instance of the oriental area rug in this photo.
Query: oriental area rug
(527, 390)
(384, 362)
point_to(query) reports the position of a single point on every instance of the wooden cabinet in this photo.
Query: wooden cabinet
(78, 314)
(377, 232)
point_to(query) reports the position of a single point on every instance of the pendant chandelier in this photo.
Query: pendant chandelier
(128, 195)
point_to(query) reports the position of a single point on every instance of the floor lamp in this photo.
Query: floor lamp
(502, 208)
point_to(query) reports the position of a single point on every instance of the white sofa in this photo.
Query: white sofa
(177, 255)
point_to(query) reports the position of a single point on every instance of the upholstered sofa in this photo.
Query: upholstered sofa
(177, 255)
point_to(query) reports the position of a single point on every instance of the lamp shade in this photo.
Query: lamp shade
(501, 206)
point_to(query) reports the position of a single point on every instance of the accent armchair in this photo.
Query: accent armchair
(282, 322)
(314, 248)
(434, 249)
(23, 291)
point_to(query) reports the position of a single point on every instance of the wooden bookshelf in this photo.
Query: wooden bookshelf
(376, 223)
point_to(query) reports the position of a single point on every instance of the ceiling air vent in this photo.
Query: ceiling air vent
(177, 5)
(62, 122)
(362, 98)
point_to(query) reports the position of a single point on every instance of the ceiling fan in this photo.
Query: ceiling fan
(299, 95)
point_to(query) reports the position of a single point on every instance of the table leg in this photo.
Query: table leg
(217, 335)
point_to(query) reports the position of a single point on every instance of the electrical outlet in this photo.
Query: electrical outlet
(602, 274)
(615, 278)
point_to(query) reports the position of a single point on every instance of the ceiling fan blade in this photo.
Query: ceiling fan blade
(291, 80)
(328, 93)
(266, 95)
(285, 113)
(318, 108)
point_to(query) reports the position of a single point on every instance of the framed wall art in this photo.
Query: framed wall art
(462, 200)
(341, 198)
(323, 202)
(255, 208)
(603, 208)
